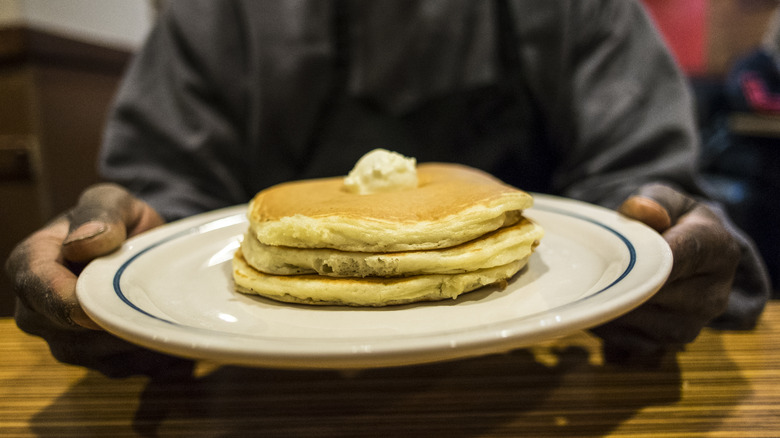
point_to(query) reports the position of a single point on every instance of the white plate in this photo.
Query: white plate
(170, 289)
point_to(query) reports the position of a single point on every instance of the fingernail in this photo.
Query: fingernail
(87, 230)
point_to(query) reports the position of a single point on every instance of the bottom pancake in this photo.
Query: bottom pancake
(368, 291)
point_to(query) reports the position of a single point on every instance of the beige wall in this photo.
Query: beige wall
(121, 24)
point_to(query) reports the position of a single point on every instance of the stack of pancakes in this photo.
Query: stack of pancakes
(314, 242)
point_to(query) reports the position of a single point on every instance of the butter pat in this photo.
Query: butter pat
(382, 171)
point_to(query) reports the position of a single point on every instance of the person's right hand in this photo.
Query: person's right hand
(44, 267)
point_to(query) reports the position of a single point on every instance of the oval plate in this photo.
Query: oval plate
(170, 290)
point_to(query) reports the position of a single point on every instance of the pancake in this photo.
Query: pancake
(451, 205)
(496, 248)
(365, 292)
(391, 232)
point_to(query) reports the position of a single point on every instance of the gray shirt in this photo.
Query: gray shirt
(230, 97)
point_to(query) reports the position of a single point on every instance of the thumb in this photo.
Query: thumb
(657, 206)
(104, 217)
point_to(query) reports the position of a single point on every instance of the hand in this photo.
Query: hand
(697, 290)
(44, 267)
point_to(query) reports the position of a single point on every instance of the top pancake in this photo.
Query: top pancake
(452, 204)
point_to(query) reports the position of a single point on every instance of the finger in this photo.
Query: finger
(657, 205)
(624, 345)
(661, 325)
(648, 212)
(42, 282)
(702, 246)
(646, 334)
(700, 298)
(673, 316)
(699, 241)
(104, 217)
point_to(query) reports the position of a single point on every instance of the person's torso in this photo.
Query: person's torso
(437, 83)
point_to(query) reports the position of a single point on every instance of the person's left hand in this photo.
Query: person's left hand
(697, 290)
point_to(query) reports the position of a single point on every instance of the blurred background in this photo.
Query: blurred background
(61, 60)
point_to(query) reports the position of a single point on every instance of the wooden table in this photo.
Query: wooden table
(726, 384)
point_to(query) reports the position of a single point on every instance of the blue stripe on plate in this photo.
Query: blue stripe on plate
(118, 275)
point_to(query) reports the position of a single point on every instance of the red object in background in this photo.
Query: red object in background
(757, 93)
(683, 23)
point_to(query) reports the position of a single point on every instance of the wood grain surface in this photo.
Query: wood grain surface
(726, 384)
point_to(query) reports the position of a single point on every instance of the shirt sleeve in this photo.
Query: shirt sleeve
(175, 135)
(617, 109)
(620, 114)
